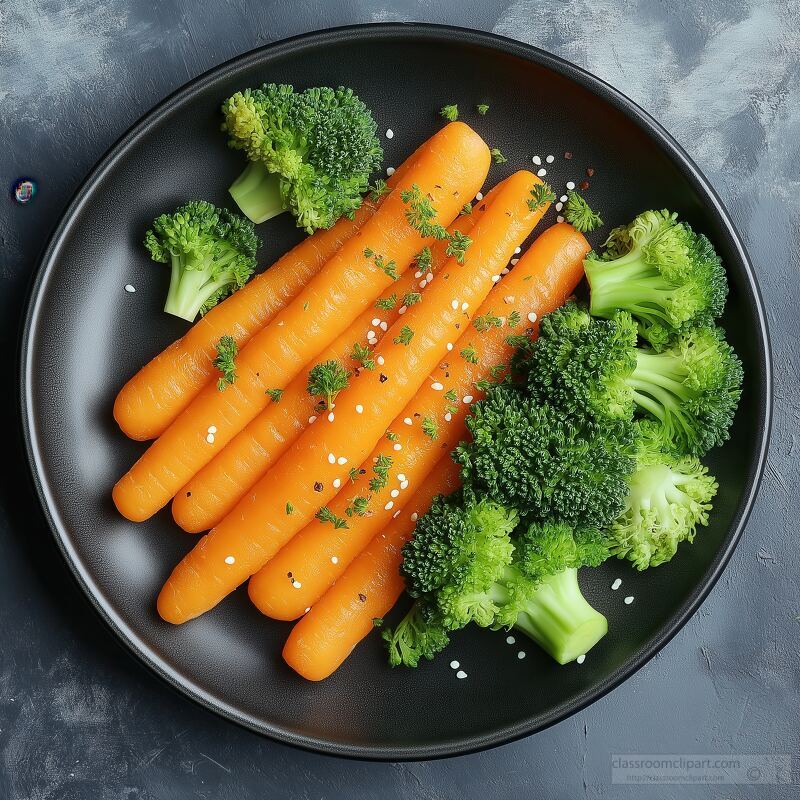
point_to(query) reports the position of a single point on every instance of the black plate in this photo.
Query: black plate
(85, 335)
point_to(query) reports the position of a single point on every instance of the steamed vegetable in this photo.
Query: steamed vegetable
(211, 253)
(310, 152)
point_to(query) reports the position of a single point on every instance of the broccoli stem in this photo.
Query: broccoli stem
(560, 620)
(191, 287)
(257, 192)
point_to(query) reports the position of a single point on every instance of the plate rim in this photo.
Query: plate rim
(413, 31)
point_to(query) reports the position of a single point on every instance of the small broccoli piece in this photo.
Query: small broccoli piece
(669, 497)
(450, 112)
(414, 637)
(661, 272)
(211, 252)
(579, 214)
(310, 152)
(582, 364)
(547, 464)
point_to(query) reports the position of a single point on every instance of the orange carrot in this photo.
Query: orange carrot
(371, 585)
(453, 165)
(303, 480)
(214, 490)
(544, 277)
(368, 589)
(152, 399)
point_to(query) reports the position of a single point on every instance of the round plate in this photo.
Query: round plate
(85, 336)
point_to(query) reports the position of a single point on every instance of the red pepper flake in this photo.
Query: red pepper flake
(590, 171)
(362, 597)
(583, 185)
(568, 155)
(317, 486)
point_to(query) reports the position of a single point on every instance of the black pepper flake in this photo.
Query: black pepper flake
(568, 155)
(447, 374)
(317, 486)
(362, 472)
(483, 207)
(383, 378)
(362, 597)
(188, 494)
(590, 171)
(508, 213)
(437, 186)
(288, 574)
(584, 185)
(417, 414)
(458, 326)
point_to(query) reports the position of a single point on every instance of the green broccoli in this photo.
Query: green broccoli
(581, 364)
(661, 272)
(669, 497)
(310, 152)
(211, 251)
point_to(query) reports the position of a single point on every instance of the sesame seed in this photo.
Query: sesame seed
(389, 506)
(517, 251)
(397, 446)
(536, 160)
(341, 461)
(394, 493)
(468, 398)
(297, 584)
(404, 485)
(375, 322)
(449, 346)
(212, 428)
(617, 583)
(423, 284)
(337, 483)
(464, 306)
(130, 288)
(429, 277)
(479, 196)
(505, 271)
(550, 159)
(454, 665)
(454, 305)
(510, 640)
(514, 262)
(521, 655)
(628, 600)
(307, 610)
(495, 278)
(331, 458)
(532, 316)
(563, 198)
(559, 206)
(436, 386)
(359, 409)
(311, 419)
(542, 172)
(402, 310)
(408, 421)
(581, 658)
(509, 299)
(401, 476)
(389, 133)
(380, 360)
(210, 438)
(418, 274)
(230, 560)
(414, 517)
(371, 334)
(390, 171)
(373, 341)
(570, 185)
(330, 417)
(448, 416)
(461, 674)
(559, 218)
(334, 560)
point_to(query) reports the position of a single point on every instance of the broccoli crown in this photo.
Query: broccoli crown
(693, 388)
(416, 636)
(533, 457)
(581, 364)
(321, 144)
(669, 497)
(661, 272)
(212, 252)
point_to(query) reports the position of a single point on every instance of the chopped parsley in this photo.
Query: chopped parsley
(379, 189)
(541, 195)
(289, 509)
(430, 428)
(275, 394)
(411, 298)
(421, 214)
(486, 321)
(391, 436)
(469, 355)
(326, 380)
(497, 156)
(450, 112)
(381, 469)
(482, 108)
(359, 506)
(457, 247)
(405, 336)
(466, 210)
(423, 259)
(363, 355)
(326, 515)
(513, 319)
(227, 350)
(386, 303)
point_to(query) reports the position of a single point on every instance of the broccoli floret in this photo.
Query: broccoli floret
(669, 497)
(415, 637)
(659, 270)
(547, 464)
(581, 364)
(211, 251)
(550, 547)
(310, 152)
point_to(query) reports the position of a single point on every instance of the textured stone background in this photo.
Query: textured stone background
(81, 721)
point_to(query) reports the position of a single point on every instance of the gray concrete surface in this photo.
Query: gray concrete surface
(79, 720)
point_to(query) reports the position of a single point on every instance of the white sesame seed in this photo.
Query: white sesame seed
(510, 640)
(130, 288)
(550, 159)
(414, 517)
(375, 322)
(521, 655)
(461, 674)
(334, 560)
(517, 251)
(330, 417)
(532, 316)
(454, 305)
(559, 218)
(448, 416)
(331, 458)
(423, 284)
(418, 274)
(429, 277)
(468, 398)
(449, 346)
(210, 438)
(337, 482)
(394, 493)
(570, 185)
(373, 341)
(581, 658)
(341, 461)
(563, 198)
(212, 429)
(454, 665)
(505, 271)
(408, 421)
(628, 600)
(542, 172)
(404, 485)
(401, 476)
(230, 560)
(381, 360)
(389, 133)
(397, 446)
(495, 278)
(402, 310)
(464, 306)
(307, 610)
(371, 333)
(436, 386)
(390, 171)
(536, 160)
(384, 326)
(559, 206)
(389, 506)
(617, 583)
(312, 419)
(479, 196)
(359, 409)
(514, 262)
(297, 584)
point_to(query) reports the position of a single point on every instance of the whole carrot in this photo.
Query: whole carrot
(305, 477)
(214, 490)
(429, 427)
(452, 165)
(325, 637)
(367, 590)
